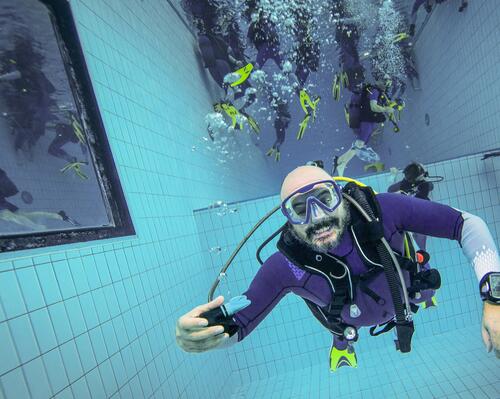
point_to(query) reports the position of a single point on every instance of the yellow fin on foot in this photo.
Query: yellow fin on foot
(244, 73)
(342, 357)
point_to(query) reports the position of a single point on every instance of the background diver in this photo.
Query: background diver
(27, 93)
(28, 219)
(281, 123)
(416, 183)
(428, 7)
(365, 112)
(325, 227)
(263, 34)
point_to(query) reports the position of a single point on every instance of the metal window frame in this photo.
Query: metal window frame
(84, 97)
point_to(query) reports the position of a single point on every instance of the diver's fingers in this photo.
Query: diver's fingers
(206, 307)
(188, 323)
(204, 334)
(206, 345)
(486, 338)
(191, 321)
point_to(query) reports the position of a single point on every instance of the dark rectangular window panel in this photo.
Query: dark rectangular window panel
(58, 181)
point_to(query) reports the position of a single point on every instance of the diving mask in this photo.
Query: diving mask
(308, 202)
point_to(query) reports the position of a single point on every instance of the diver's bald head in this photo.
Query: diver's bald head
(300, 177)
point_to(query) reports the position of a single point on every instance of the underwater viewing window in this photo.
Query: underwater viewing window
(58, 181)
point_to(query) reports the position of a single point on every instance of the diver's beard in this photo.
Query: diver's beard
(338, 222)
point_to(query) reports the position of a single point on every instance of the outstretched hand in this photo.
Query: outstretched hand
(491, 327)
(192, 332)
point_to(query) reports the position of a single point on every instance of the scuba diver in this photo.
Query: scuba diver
(11, 213)
(416, 183)
(364, 113)
(306, 56)
(343, 252)
(347, 38)
(306, 51)
(220, 47)
(281, 123)
(215, 51)
(428, 7)
(223, 55)
(262, 33)
(28, 95)
(67, 132)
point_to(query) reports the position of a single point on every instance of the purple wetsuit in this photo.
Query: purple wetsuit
(278, 276)
(366, 129)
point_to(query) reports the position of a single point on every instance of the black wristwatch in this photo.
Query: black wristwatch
(489, 288)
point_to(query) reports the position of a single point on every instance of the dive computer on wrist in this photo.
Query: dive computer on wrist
(490, 288)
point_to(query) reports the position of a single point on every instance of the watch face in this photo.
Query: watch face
(495, 285)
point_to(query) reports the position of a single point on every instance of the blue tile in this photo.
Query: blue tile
(114, 268)
(60, 322)
(111, 300)
(63, 275)
(100, 304)
(14, 385)
(65, 394)
(58, 256)
(71, 360)
(95, 384)
(79, 276)
(10, 294)
(109, 334)
(121, 333)
(6, 265)
(32, 293)
(24, 338)
(136, 388)
(8, 353)
(41, 259)
(138, 356)
(75, 316)
(98, 344)
(102, 268)
(91, 272)
(37, 379)
(129, 362)
(80, 389)
(118, 369)
(89, 311)
(86, 352)
(126, 392)
(108, 378)
(55, 369)
(48, 283)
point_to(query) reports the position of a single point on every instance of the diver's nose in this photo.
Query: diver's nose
(317, 213)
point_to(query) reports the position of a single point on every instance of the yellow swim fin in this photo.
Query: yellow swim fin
(429, 303)
(346, 114)
(233, 113)
(376, 166)
(304, 100)
(303, 127)
(244, 73)
(400, 37)
(314, 105)
(251, 122)
(344, 78)
(342, 357)
(77, 129)
(336, 87)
